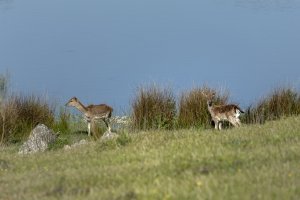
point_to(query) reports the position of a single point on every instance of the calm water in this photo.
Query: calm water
(101, 50)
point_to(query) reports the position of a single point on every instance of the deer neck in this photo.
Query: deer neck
(81, 107)
(209, 106)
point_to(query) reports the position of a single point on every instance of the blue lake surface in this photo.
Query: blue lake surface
(102, 50)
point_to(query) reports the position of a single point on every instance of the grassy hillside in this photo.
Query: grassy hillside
(252, 162)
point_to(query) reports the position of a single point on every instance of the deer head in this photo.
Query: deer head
(72, 102)
(209, 96)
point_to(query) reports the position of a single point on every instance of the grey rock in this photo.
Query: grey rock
(38, 141)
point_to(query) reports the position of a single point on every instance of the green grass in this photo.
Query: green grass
(251, 162)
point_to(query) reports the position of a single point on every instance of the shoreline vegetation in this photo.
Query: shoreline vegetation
(166, 149)
(153, 108)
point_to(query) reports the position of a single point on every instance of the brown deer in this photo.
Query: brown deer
(92, 112)
(218, 113)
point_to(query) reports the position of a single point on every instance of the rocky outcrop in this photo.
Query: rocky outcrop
(38, 141)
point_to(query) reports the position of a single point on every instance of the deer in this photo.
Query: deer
(92, 112)
(219, 113)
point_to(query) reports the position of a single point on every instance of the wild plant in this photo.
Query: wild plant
(153, 108)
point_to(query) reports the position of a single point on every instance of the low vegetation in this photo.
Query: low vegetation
(193, 110)
(282, 102)
(252, 162)
(19, 114)
(153, 108)
(162, 158)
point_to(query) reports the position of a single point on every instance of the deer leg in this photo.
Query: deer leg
(233, 122)
(216, 124)
(220, 126)
(238, 122)
(89, 128)
(107, 124)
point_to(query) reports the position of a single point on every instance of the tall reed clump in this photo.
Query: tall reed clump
(281, 102)
(19, 114)
(153, 108)
(193, 110)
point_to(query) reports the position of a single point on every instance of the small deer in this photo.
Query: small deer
(92, 112)
(218, 113)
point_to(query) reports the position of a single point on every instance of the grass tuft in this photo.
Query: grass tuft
(153, 108)
(193, 110)
(20, 114)
(282, 102)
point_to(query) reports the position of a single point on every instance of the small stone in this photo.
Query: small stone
(77, 144)
(81, 142)
(67, 147)
(109, 135)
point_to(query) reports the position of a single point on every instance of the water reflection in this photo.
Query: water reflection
(6, 4)
(2, 2)
(279, 5)
(128, 43)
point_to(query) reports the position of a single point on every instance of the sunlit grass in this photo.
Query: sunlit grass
(252, 162)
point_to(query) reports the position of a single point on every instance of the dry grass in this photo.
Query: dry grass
(19, 114)
(281, 102)
(153, 108)
(193, 110)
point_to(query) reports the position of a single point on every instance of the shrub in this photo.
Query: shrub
(193, 110)
(281, 102)
(153, 108)
(19, 114)
(3, 86)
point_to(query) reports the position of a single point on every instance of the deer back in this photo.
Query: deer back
(225, 111)
(101, 109)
